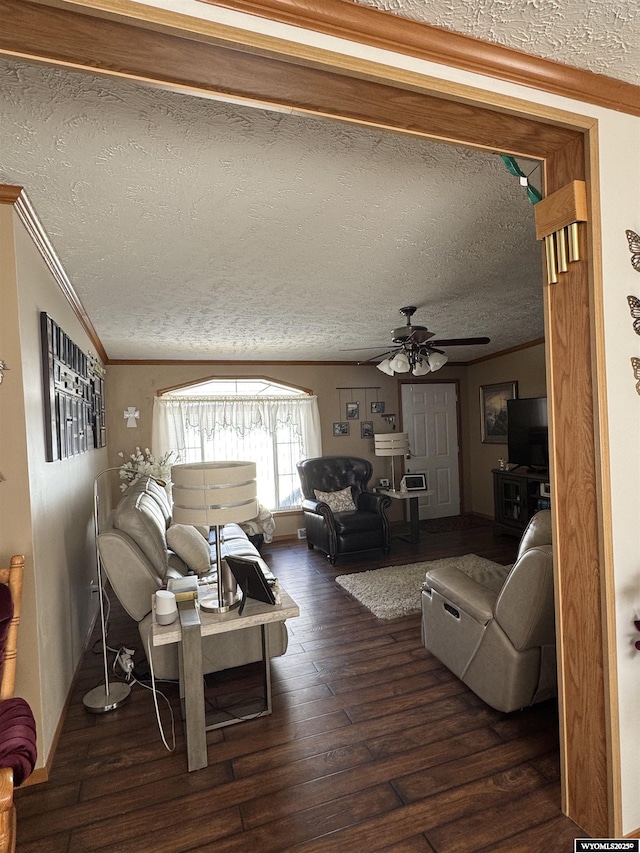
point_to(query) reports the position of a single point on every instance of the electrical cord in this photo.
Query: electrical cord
(155, 693)
(124, 657)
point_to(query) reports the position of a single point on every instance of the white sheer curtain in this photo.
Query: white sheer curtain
(275, 432)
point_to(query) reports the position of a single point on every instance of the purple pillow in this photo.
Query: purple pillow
(6, 615)
(17, 738)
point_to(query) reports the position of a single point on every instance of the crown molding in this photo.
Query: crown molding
(536, 342)
(183, 362)
(348, 20)
(17, 197)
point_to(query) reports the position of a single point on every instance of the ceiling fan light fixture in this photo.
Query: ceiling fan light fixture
(385, 367)
(437, 360)
(400, 363)
(416, 351)
(421, 367)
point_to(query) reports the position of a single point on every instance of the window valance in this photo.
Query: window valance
(172, 415)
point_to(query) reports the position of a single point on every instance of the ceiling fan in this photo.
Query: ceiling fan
(415, 350)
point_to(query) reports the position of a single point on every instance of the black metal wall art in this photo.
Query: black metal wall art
(73, 395)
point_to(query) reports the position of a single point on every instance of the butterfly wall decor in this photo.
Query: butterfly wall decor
(634, 247)
(634, 303)
(634, 307)
(635, 364)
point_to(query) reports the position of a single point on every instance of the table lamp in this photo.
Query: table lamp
(392, 444)
(214, 494)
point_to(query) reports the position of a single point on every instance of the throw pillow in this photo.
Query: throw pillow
(341, 501)
(190, 546)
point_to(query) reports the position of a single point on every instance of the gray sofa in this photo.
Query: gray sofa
(141, 549)
(496, 630)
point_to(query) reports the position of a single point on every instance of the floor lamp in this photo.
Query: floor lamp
(105, 697)
(214, 494)
(392, 444)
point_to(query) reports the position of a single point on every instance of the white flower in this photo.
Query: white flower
(145, 465)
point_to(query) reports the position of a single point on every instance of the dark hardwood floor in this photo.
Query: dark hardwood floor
(373, 744)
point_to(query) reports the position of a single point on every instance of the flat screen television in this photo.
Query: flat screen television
(528, 433)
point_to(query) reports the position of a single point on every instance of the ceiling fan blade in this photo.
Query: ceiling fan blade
(459, 342)
(359, 349)
(378, 355)
(418, 335)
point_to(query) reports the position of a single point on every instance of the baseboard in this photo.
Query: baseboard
(287, 537)
(41, 774)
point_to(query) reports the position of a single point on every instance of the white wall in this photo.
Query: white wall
(51, 521)
(15, 509)
(620, 179)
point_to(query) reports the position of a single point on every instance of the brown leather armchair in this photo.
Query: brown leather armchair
(361, 528)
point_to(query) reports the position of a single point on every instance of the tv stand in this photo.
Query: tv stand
(516, 497)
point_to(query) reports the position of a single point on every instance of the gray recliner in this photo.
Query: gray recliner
(137, 560)
(496, 630)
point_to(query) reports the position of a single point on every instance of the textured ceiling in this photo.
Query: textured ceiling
(602, 36)
(196, 229)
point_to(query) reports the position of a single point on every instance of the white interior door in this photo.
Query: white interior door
(430, 417)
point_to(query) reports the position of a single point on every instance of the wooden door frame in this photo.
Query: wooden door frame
(115, 37)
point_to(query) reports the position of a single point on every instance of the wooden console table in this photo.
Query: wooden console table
(188, 630)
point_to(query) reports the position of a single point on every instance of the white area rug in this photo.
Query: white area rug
(395, 590)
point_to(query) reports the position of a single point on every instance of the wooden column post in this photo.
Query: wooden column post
(584, 691)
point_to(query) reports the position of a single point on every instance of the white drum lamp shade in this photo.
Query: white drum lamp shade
(214, 494)
(392, 444)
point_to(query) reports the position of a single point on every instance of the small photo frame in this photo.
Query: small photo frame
(341, 428)
(366, 429)
(413, 483)
(493, 411)
(251, 580)
(377, 407)
(353, 411)
(384, 483)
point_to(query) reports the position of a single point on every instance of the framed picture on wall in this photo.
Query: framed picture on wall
(341, 428)
(366, 429)
(353, 411)
(377, 407)
(493, 411)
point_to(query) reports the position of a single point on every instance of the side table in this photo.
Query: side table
(188, 630)
(414, 508)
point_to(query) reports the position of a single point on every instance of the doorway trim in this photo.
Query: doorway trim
(206, 59)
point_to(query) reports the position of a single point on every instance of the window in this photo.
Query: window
(271, 424)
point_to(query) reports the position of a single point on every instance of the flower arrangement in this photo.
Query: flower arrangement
(144, 464)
